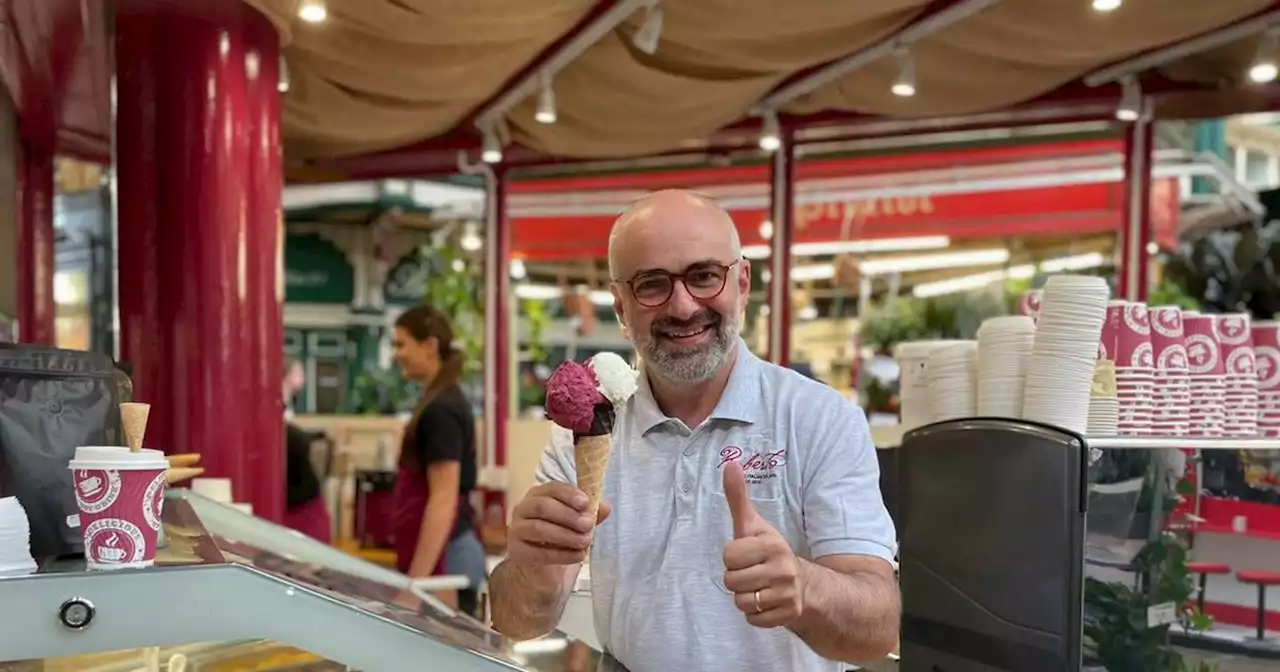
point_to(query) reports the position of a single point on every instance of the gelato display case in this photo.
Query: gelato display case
(232, 592)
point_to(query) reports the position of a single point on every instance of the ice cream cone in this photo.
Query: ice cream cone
(591, 458)
(134, 417)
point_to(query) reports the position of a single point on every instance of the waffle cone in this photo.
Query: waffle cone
(134, 418)
(591, 459)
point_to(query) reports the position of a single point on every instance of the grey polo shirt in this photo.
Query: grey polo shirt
(657, 573)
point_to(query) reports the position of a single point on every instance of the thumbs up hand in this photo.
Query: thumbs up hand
(761, 570)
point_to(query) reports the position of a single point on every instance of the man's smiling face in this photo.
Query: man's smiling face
(681, 284)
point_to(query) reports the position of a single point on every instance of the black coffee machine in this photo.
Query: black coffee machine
(991, 523)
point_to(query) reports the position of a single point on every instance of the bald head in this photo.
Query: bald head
(662, 218)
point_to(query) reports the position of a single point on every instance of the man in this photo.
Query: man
(745, 528)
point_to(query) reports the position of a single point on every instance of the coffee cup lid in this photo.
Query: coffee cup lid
(117, 457)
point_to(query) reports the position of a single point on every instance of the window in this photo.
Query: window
(1257, 169)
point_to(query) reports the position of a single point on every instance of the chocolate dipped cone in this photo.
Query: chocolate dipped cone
(591, 459)
(134, 418)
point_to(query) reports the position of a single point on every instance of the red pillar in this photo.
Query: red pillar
(497, 297)
(35, 244)
(1135, 273)
(782, 208)
(199, 179)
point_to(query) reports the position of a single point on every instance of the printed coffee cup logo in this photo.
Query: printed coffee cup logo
(1233, 330)
(1143, 356)
(1135, 317)
(96, 489)
(1173, 358)
(1167, 323)
(153, 502)
(1267, 362)
(111, 541)
(1202, 354)
(1241, 362)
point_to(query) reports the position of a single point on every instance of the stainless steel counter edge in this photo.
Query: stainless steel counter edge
(182, 605)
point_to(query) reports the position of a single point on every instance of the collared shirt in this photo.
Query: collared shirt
(657, 568)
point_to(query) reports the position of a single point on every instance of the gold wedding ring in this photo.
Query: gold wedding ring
(758, 609)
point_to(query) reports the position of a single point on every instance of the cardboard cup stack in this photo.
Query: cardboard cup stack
(1266, 350)
(1240, 375)
(1208, 387)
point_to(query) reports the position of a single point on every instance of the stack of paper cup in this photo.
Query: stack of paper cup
(1172, 391)
(1110, 330)
(1060, 373)
(1208, 386)
(913, 382)
(1240, 375)
(15, 539)
(1029, 304)
(120, 493)
(953, 390)
(1266, 351)
(1004, 350)
(1104, 406)
(1135, 366)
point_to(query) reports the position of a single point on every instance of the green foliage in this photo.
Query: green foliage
(456, 292)
(947, 316)
(1115, 621)
(1169, 293)
(535, 314)
(381, 392)
(1231, 270)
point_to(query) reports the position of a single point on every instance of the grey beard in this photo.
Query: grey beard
(694, 366)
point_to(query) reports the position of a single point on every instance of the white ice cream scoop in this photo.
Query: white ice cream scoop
(617, 380)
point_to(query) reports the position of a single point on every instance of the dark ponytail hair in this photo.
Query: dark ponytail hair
(424, 322)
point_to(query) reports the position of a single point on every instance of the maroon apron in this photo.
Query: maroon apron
(411, 495)
(311, 519)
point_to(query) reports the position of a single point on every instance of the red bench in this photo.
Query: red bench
(1261, 579)
(1204, 569)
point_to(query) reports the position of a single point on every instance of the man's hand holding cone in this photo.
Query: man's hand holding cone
(761, 570)
(552, 526)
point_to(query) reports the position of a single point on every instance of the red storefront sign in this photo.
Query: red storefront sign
(1063, 210)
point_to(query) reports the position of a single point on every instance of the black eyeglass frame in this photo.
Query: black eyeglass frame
(673, 277)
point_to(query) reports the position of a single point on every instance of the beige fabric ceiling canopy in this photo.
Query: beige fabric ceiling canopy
(383, 74)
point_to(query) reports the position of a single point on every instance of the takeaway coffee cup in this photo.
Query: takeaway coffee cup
(120, 494)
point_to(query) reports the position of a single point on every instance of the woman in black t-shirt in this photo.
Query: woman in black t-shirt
(434, 526)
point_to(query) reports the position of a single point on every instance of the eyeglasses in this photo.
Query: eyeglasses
(703, 281)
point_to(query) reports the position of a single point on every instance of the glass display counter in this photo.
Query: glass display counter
(232, 592)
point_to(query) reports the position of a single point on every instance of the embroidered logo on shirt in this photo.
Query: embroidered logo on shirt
(758, 466)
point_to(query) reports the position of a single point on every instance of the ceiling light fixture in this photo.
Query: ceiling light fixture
(770, 133)
(470, 239)
(283, 84)
(492, 151)
(546, 113)
(313, 11)
(1130, 100)
(905, 85)
(1264, 68)
(646, 39)
(1106, 5)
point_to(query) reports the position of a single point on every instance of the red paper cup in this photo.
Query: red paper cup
(1133, 336)
(1233, 329)
(120, 495)
(1204, 352)
(1110, 329)
(1266, 353)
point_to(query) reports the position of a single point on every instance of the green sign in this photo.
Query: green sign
(406, 283)
(316, 271)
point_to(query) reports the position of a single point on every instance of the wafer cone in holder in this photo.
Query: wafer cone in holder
(591, 459)
(134, 418)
